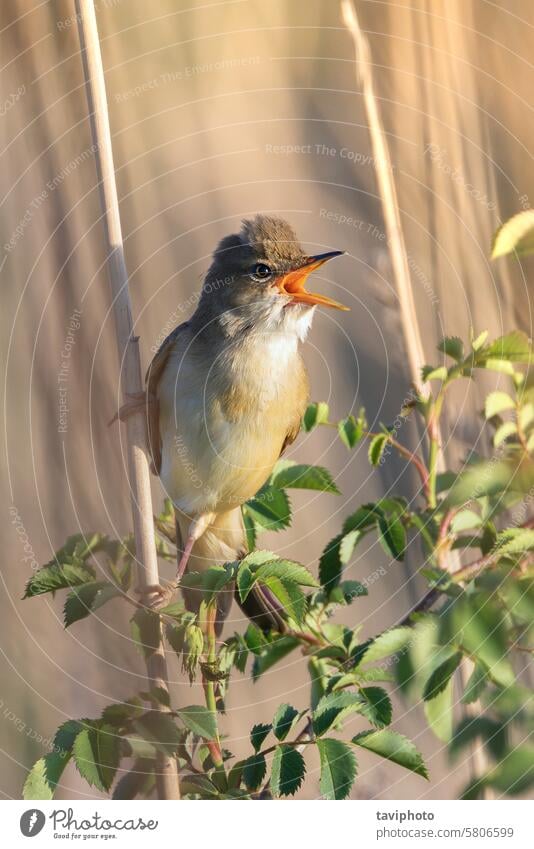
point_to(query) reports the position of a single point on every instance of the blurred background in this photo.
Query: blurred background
(220, 110)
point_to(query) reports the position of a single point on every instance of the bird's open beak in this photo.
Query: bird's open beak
(293, 282)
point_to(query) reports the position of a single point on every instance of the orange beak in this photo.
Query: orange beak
(293, 282)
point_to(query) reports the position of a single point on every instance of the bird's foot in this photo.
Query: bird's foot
(158, 596)
(137, 402)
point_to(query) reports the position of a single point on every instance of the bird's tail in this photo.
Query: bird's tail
(224, 541)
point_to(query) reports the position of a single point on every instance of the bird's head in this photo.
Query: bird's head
(257, 280)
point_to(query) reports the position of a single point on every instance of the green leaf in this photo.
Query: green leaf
(287, 771)
(497, 402)
(288, 474)
(57, 577)
(441, 676)
(96, 753)
(364, 517)
(270, 508)
(439, 715)
(145, 628)
(392, 536)
(516, 234)
(66, 734)
(477, 683)
(316, 413)
(199, 720)
(338, 768)
(387, 643)
(44, 776)
(271, 654)
(377, 706)
(347, 545)
(258, 734)
(515, 774)
(334, 707)
(290, 597)
(86, 599)
(465, 520)
(245, 581)
(513, 347)
(121, 713)
(514, 541)
(377, 447)
(453, 347)
(254, 770)
(251, 528)
(471, 727)
(396, 748)
(434, 373)
(283, 721)
(160, 730)
(285, 570)
(330, 565)
(477, 342)
(350, 431)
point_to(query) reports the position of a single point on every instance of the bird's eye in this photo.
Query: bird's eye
(261, 271)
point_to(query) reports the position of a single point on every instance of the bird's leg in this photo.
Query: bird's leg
(137, 402)
(162, 595)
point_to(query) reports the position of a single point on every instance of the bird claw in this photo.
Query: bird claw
(138, 402)
(155, 597)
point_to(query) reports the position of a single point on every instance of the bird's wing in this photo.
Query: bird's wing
(302, 396)
(152, 378)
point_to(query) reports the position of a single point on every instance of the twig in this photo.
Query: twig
(129, 359)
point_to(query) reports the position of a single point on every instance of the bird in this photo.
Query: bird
(225, 395)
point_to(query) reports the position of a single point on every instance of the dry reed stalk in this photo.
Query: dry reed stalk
(401, 272)
(139, 474)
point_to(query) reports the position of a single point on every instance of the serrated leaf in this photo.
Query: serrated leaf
(377, 706)
(290, 475)
(514, 541)
(254, 771)
(286, 570)
(464, 520)
(287, 770)
(394, 747)
(258, 735)
(347, 545)
(441, 676)
(86, 599)
(120, 713)
(283, 721)
(245, 581)
(145, 628)
(270, 508)
(377, 447)
(497, 402)
(338, 768)
(364, 517)
(516, 234)
(251, 528)
(289, 595)
(513, 347)
(453, 347)
(316, 413)
(53, 577)
(66, 734)
(332, 707)
(330, 565)
(350, 431)
(96, 753)
(392, 536)
(44, 776)
(199, 720)
(387, 643)
(434, 373)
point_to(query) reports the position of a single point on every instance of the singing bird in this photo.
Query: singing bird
(226, 392)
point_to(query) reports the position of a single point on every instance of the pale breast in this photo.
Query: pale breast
(225, 419)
